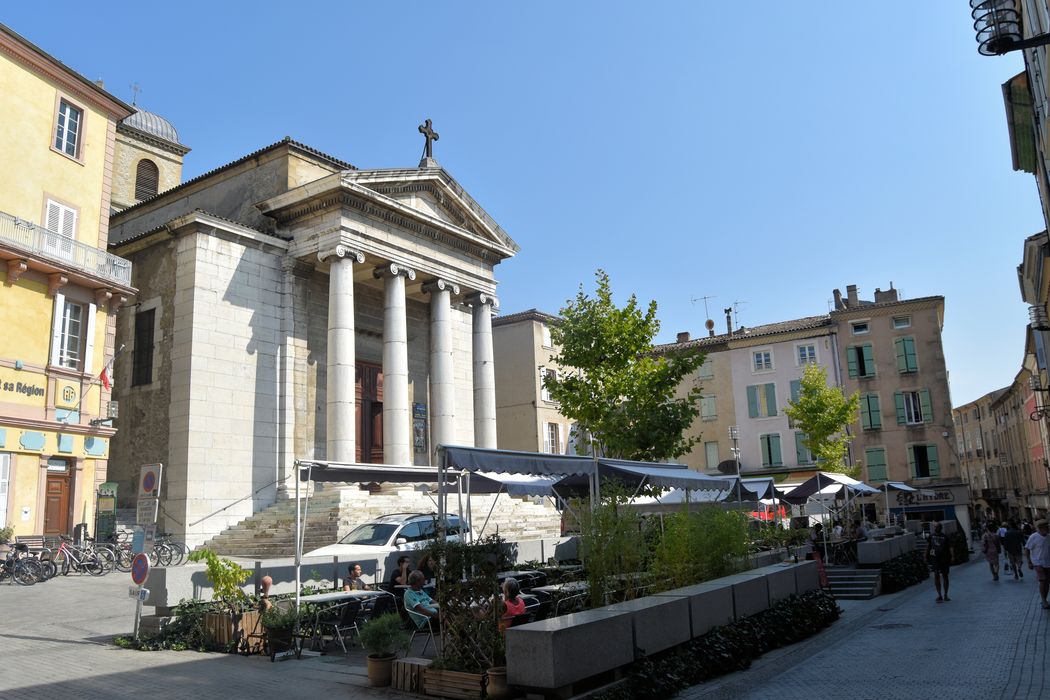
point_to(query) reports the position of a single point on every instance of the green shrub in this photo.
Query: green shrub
(6, 533)
(611, 540)
(903, 571)
(384, 636)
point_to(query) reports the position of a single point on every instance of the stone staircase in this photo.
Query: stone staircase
(850, 583)
(333, 512)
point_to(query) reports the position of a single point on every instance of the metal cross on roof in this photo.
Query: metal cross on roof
(430, 135)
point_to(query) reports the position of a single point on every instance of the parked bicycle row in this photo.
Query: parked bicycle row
(39, 559)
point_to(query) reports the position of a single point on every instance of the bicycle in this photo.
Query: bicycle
(69, 558)
(16, 566)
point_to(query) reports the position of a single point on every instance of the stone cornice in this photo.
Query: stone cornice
(48, 67)
(888, 308)
(744, 341)
(59, 427)
(176, 148)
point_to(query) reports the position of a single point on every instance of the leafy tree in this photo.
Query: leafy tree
(823, 413)
(614, 386)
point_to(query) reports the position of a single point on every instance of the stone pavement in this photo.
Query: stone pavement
(989, 641)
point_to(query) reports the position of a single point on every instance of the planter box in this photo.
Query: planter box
(710, 605)
(659, 621)
(453, 684)
(584, 644)
(781, 581)
(407, 674)
(225, 629)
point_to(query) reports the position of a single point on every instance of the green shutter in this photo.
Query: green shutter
(927, 405)
(869, 361)
(802, 455)
(865, 413)
(875, 460)
(911, 460)
(771, 399)
(763, 442)
(796, 388)
(752, 402)
(851, 361)
(874, 410)
(902, 417)
(774, 450)
(931, 458)
(902, 355)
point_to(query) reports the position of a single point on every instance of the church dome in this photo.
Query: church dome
(153, 124)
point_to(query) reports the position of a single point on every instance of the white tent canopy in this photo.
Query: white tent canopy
(828, 483)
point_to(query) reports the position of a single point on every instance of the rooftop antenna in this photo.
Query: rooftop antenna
(707, 314)
(135, 90)
(736, 312)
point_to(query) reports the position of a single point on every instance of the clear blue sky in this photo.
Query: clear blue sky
(762, 152)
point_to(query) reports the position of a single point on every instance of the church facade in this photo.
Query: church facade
(293, 306)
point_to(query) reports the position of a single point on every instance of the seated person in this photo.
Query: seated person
(399, 576)
(836, 531)
(353, 580)
(421, 608)
(513, 604)
(859, 531)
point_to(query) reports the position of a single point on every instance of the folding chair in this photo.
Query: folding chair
(341, 620)
(428, 630)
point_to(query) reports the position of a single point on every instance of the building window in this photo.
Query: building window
(900, 322)
(763, 361)
(875, 460)
(870, 418)
(61, 223)
(802, 453)
(545, 374)
(707, 370)
(142, 362)
(711, 455)
(147, 179)
(552, 438)
(70, 335)
(906, 360)
(807, 355)
(859, 328)
(860, 361)
(913, 407)
(770, 445)
(762, 400)
(922, 461)
(68, 128)
(708, 411)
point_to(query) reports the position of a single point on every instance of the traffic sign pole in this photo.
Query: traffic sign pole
(139, 574)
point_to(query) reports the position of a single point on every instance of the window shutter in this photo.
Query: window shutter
(547, 438)
(911, 460)
(56, 327)
(851, 361)
(931, 458)
(774, 450)
(801, 451)
(898, 398)
(869, 361)
(902, 355)
(796, 387)
(927, 405)
(54, 216)
(771, 399)
(875, 411)
(752, 402)
(875, 459)
(865, 413)
(147, 177)
(89, 341)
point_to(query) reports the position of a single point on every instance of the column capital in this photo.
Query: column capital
(394, 270)
(342, 251)
(482, 299)
(440, 285)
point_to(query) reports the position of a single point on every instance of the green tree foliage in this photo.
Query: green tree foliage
(699, 546)
(823, 413)
(614, 386)
(611, 541)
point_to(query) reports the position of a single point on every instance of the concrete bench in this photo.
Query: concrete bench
(710, 605)
(659, 622)
(750, 592)
(781, 580)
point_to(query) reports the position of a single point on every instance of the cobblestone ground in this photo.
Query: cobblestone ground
(989, 641)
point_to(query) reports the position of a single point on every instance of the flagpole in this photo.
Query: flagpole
(91, 384)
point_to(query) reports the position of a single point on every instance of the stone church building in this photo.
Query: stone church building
(293, 306)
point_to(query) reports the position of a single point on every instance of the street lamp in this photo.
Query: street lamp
(998, 27)
(734, 435)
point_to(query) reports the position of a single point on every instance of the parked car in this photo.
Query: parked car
(384, 539)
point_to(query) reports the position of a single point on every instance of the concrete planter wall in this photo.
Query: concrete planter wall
(874, 553)
(602, 640)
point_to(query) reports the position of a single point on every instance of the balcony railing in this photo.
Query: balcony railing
(38, 241)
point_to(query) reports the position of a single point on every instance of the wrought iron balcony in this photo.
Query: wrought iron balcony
(39, 242)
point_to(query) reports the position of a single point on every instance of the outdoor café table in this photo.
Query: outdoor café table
(525, 578)
(324, 601)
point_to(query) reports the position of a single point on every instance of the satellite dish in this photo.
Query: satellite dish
(709, 325)
(727, 466)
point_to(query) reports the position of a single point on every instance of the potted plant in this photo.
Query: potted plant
(381, 638)
(279, 623)
(6, 533)
(224, 628)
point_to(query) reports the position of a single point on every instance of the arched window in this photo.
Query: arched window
(147, 177)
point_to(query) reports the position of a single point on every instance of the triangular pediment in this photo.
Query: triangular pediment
(434, 194)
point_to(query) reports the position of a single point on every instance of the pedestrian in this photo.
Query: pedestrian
(1002, 533)
(1027, 530)
(1013, 545)
(1037, 550)
(816, 540)
(940, 558)
(991, 548)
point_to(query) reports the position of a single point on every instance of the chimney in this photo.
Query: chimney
(683, 337)
(889, 295)
(729, 321)
(851, 295)
(838, 300)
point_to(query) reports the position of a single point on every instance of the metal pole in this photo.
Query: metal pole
(298, 550)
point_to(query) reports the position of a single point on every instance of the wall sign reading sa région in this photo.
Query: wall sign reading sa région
(22, 386)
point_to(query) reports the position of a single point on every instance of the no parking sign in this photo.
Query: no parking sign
(140, 569)
(149, 481)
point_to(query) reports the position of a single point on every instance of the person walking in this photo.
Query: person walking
(1013, 545)
(940, 558)
(816, 540)
(991, 548)
(1037, 551)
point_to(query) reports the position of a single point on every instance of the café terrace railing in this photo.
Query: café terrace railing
(38, 241)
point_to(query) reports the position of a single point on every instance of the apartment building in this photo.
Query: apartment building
(61, 291)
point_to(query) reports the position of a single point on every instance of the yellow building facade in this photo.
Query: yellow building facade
(61, 289)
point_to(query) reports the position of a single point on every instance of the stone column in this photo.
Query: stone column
(442, 381)
(397, 415)
(484, 371)
(341, 400)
